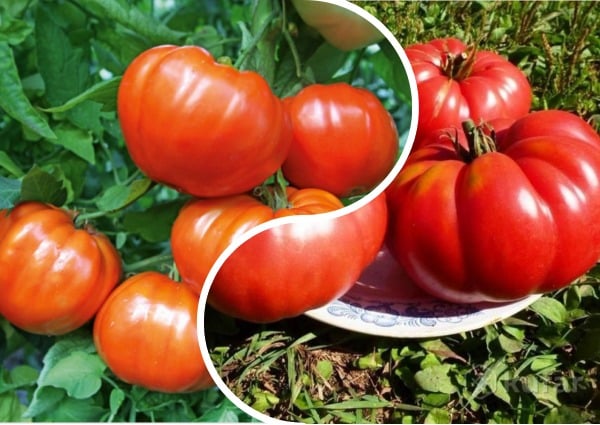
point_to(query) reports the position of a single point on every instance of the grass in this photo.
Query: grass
(540, 365)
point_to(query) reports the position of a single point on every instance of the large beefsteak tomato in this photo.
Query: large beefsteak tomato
(202, 127)
(497, 225)
(53, 276)
(146, 333)
(455, 83)
(282, 271)
(344, 140)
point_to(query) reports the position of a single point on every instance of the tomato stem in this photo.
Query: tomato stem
(481, 140)
(458, 67)
(146, 263)
(273, 192)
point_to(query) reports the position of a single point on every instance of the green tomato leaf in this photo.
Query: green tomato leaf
(387, 65)
(154, 224)
(39, 185)
(74, 410)
(10, 191)
(14, 31)
(120, 196)
(76, 140)
(13, 99)
(326, 61)
(104, 92)
(79, 374)
(9, 165)
(436, 379)
(133, 18)
(64, 68)
(117, 397)
(44, 400)
(11, 409)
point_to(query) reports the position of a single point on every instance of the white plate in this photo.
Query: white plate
(385, 302)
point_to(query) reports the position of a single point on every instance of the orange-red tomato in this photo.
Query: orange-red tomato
(344, 140)
(53, 276)
(285, 270)
(201, 127)
(146, 333)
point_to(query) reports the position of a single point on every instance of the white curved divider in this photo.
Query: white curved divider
(308, 218)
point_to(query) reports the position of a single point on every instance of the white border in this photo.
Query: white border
(330, 215)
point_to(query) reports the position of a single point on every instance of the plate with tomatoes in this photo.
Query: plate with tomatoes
(385, 302)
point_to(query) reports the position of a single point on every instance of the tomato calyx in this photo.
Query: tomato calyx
(459, 66)
(481, 140)
(273, 194)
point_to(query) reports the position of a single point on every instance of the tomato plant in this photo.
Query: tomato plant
(340, 26)
(488, 224)
(54, 276)
(201, 127)
(344, 140)
(456, 83)
(146, 333)
(312, 262)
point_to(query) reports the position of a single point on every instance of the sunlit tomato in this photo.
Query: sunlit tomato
(146, 333)
(455, 83)
(344, 140)
(340, 26)
(53, 276)
(204, 128)
(498, 225)
(285, 270)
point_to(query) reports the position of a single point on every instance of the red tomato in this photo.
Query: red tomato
(204, 128)
(283, 271)
(344, 140)
(501, 224)
(146, 334)
(53, 276)
(455, 84)
(552, 121)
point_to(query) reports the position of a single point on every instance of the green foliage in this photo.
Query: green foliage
(61, 64)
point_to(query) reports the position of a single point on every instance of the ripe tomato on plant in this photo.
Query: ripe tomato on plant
(496, 225)
(344, 140)
(146, 334)
(283, 271)
(201, 127)
(456, 83)
(53, 276)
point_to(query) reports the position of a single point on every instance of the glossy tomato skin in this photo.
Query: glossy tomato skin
(508, 224)
(201, 127)
(147, 335)
(53, 276)
(205, 227)
(283, 271)
(341, 27)
(552, 121)
(344, 140)
(489, 88)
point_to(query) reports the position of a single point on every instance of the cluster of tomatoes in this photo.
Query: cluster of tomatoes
(245, 157)
(494, 202)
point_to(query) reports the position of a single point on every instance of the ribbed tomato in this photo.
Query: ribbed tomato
(285, 270)
(498, 223)
(146, 333)
(202, 127)
(456, 83)
(53, 276)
